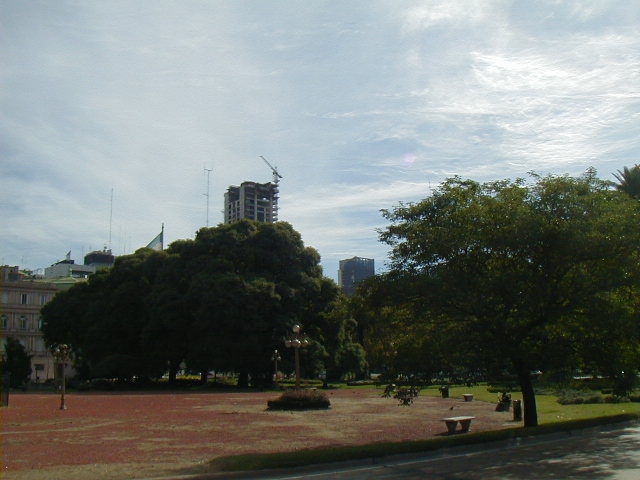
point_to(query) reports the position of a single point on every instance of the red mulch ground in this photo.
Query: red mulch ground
(126, 436)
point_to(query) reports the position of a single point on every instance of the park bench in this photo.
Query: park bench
(452, 423)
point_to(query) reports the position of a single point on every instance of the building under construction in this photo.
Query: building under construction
(251, 200)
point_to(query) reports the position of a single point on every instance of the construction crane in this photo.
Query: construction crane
(276, 175)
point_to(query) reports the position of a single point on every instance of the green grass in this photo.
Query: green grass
(552, 418)
(549, 410)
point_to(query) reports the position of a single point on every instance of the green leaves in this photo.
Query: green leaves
(629, 181)
(512, 262)
(222, 301)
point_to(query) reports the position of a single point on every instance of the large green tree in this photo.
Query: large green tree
(344, 356)
(104, 318)
(222, 301)
(250, 283)
(520, 269)
(399, 341)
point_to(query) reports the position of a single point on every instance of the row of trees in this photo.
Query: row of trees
(223, 301)
(505, 276)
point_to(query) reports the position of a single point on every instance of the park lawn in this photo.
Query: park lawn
(549, 410)
(552, 416)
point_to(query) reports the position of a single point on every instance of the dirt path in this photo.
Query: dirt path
(126, 436)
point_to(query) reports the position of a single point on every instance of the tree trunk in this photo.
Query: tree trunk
(530, 410)
(243, 379)
(173, 371)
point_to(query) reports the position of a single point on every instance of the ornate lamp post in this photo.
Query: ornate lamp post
(62, 353)
(297, 341)
(275, 357)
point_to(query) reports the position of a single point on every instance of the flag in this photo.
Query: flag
(158, 242)
(68, 256)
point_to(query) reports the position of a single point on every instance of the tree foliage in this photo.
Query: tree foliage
(519, 271)
(629, 180)
(223, 301)
(17, 362)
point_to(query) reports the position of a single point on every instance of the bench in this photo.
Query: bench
(452, 423)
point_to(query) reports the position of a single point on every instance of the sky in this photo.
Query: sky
(118, 117)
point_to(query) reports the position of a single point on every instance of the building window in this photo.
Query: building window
(24, 299)
(5, 297)
(23, 322)
(5, 321)
(43, 299)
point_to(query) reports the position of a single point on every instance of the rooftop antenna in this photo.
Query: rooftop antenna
(276, 175)
(110, 218)
(208, 173)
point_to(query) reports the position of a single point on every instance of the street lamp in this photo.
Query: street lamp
(297, 341)
(275, 357)
(62, 353)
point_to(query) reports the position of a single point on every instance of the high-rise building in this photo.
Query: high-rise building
(251, 200)
(353, 271)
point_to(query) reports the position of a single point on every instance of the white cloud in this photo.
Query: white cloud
(360, 105)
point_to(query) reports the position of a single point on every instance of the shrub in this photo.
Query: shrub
(575, 397)
(616, 399)
(300, 400)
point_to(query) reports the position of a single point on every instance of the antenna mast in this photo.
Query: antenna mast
(110, 218)
(208, 173)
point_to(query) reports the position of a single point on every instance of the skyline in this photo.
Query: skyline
(360, 106)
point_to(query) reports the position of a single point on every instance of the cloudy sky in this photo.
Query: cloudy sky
(110, 111)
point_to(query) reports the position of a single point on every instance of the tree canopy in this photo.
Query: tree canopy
(223, 301)
(17, 362)
(528, 276)
(629, 180)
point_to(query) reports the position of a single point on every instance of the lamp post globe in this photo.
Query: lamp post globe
(275, 357)
(297, 341)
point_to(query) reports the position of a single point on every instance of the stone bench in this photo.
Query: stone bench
(452, 423)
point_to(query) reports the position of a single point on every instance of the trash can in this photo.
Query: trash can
(517, 410)
(444, 391)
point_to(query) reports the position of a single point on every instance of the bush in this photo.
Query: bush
(577, 397)
(616, 399)
(300, 400)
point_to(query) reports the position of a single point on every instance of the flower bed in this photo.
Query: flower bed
(300, 400)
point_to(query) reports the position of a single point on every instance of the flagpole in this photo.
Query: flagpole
(162, 238)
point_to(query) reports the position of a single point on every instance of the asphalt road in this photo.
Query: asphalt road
(607, 453)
